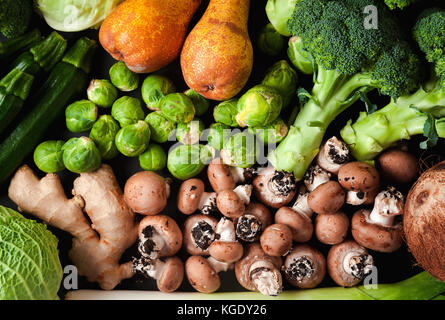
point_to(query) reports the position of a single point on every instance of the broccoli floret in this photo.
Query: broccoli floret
(349, 61)
(400, 4)
(15, 16)
(420, 113)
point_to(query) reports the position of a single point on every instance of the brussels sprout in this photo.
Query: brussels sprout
(299, 57)
(102, 93)
(177, 107)
(123, 78)
(48, 156)
(218, 135)
(200, 103)
(133, 139)
(259, 106)
(127, 110)
(279, 12)
(226, 111)
(80, 116)
(160, 126)
(270, 41)
(190, 133)
(272, 133)
(103, 134)
(187, 161)
(240, 150)
(154, 158)
(81, 155)
(154, 88)
(282, 77)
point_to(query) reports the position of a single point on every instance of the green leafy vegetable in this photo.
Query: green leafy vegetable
(29, 261)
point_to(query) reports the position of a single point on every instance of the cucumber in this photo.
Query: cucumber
(66, 81)
(11, 47)
(42, 56)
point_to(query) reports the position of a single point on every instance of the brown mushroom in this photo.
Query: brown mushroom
(159, 236)
(377, 229)
(398, 166)
(255, 219)
(275, 188)
(232, 203)
(331, 228)
(257, 271)
(202, 273)
(304, 267)
(225, 248)
(315, 176)
(192, 197)
(146, 192)
(327, 198)
(361, 180)
(276, 240)
(198, 233)
(169, 273)
(333, 154)
(349, 263)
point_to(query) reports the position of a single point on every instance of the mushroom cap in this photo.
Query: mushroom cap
(226, 251)
(333, 154)
(220, 176)
(374, 236)
(201, 275)
(189, 242)
(274, 188)
(336, 257)
(230, 204)
(331, 228)
(253, 253)
(260, 211)
(146, 193)
(300, 224)
(167, 228)
(172, 275)
(189, 195)
(327, 198)
(358, 176)
(304, 267)
(276, 239)
(398, 166)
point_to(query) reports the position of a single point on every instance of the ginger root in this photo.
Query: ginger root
(97, 247)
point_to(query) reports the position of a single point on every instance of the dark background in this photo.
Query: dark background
(392, 267)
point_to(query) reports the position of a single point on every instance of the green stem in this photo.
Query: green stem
(332, 94)
(371, 134)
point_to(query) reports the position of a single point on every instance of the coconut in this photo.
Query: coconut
(424, 220)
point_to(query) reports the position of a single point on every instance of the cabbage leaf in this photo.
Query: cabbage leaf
(75, 15)
(30, 268)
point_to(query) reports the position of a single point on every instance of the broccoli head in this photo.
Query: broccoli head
(15, 16)
(422, 112)
(400, 4)
(350, 59)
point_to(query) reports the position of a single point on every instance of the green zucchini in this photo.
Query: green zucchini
(42, 56)
(11, 47)
(66, 81)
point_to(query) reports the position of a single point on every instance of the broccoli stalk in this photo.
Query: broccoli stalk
(349, 61)
(423, 112)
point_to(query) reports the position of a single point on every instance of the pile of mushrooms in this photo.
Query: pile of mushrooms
(260, 221)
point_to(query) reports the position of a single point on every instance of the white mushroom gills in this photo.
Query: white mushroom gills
(316, 176)
(356, 198)
(244, 192)
(207, 203)
(301, 205)
(387, 205)
(265, 278)
(353, 257)
(219, 266)
(333, 155)
(158, 244)
(226, 230)
(237, 174)
(153, 268)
